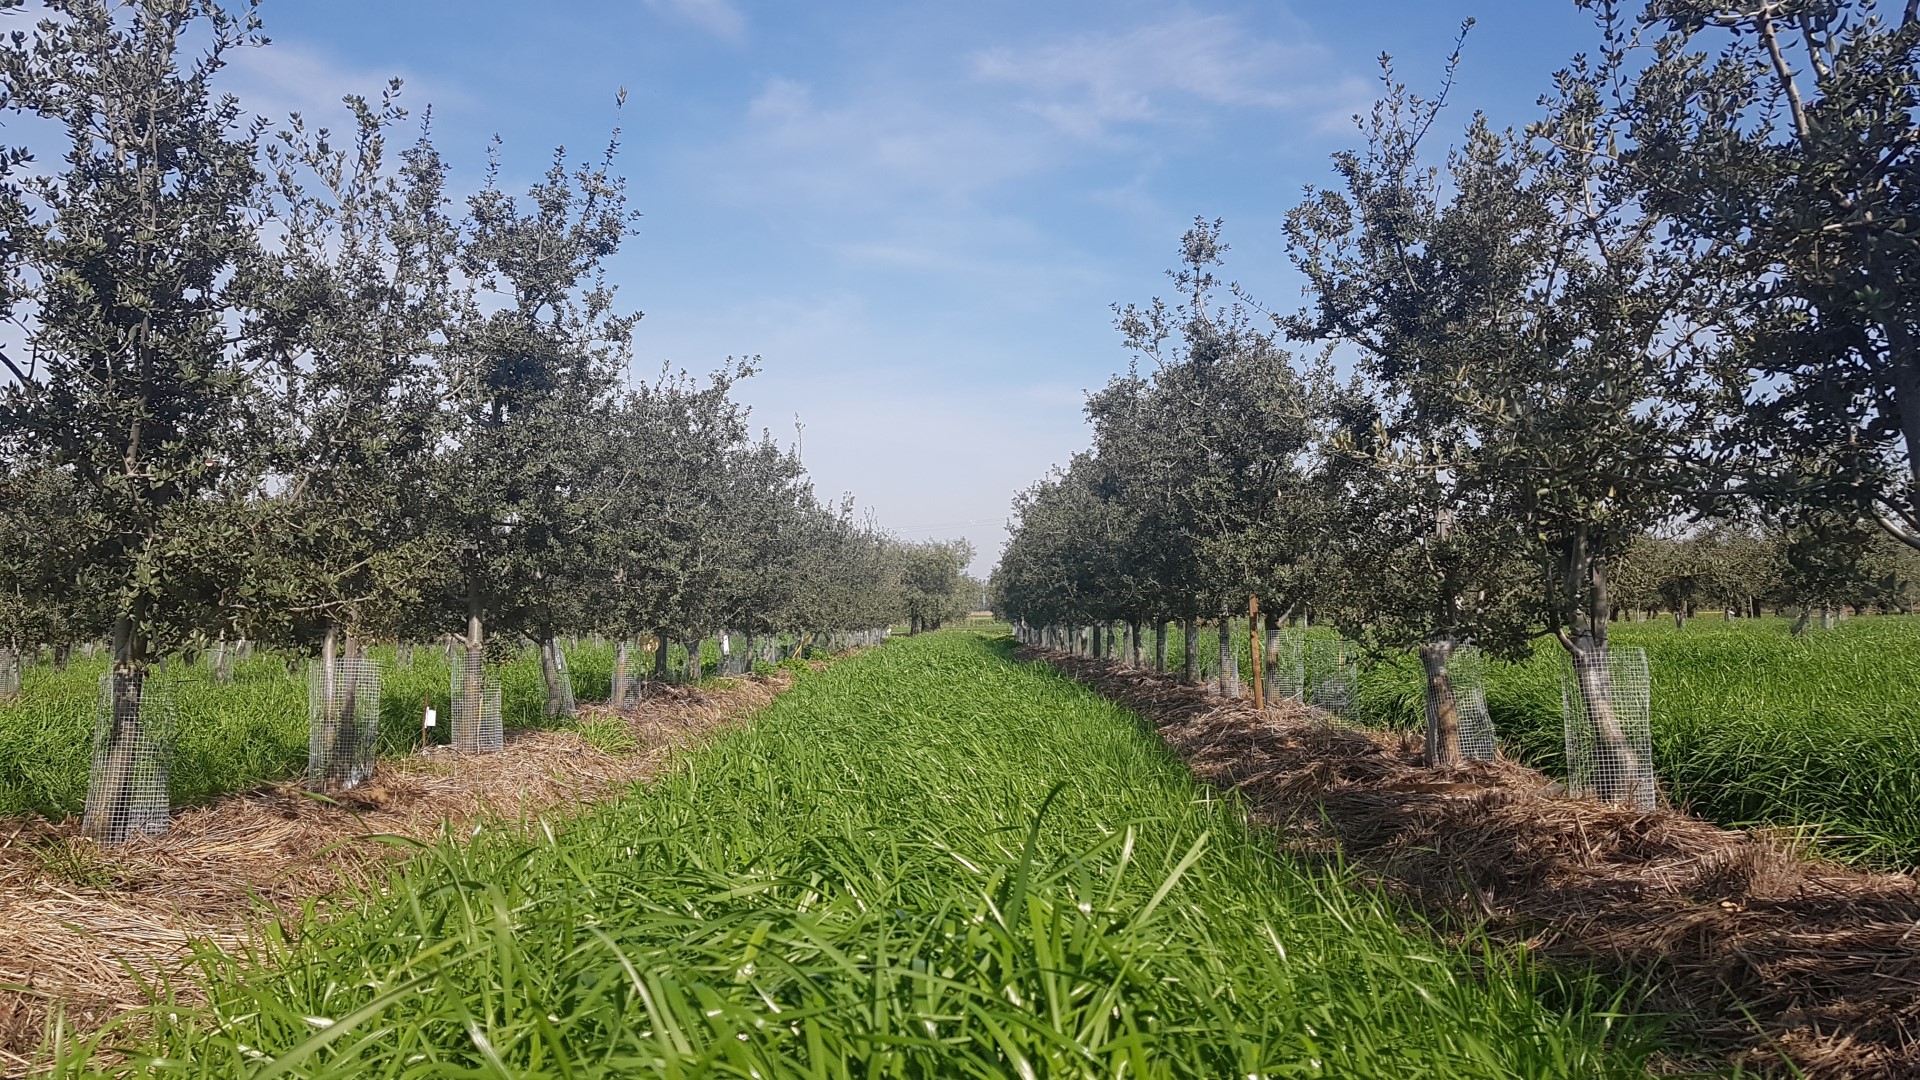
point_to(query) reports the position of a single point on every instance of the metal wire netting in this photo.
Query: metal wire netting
(343, 723)
(562, 688)
(133, 737)
(630, 685)
(475, 720)
(1286, 665)
(1606, 701)
(1467, 672)
(1332, 667)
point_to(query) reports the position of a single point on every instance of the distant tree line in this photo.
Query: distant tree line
(278, 384)
(1658, 349)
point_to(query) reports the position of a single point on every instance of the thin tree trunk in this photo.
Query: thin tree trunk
(1443, 712)
(109, 813)
(1190, 650)
(1229, 684)
(1616, 766)
(556, 703)
(472, 671)
(618, 694)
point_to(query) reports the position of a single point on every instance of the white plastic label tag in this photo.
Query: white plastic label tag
(725, 650)
(432, 718)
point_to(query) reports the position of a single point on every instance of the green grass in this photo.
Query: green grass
(924, 861)
(1818, 734)
(1751, 726)
(232, 736)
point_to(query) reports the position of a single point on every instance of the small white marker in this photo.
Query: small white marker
(432, 718)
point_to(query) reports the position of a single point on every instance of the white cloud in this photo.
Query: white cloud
(1088, 84)
(278, 79)
(717, 17)
(890, 146)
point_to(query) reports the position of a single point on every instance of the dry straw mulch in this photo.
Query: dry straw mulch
(1767, 955)
(81, 927)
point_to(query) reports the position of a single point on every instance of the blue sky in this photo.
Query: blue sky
(918, 214)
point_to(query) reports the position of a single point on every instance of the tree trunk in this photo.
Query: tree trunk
(1615, 766)
(550, 678)
(617, 696)
(1800, 624)
(1229, 683)
(660, 655)
(1133, 643)
(1826, 616)
(1679, 619)
(110, 809)
(1160, 646)
(1443, 712)
(329, 705)
(1190, 650)
(473, 670)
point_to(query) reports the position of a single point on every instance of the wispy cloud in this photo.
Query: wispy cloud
(717, 17)
(877, 144)
(1088, 84)
(280, 79)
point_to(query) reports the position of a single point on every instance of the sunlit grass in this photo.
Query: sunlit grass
(1751, 725)
(926, 861)
(231, 736)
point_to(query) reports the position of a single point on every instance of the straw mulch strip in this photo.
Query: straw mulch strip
(1723, 925)
(84, 925)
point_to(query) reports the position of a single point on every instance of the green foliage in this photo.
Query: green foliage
(927, 861)
(133, 390)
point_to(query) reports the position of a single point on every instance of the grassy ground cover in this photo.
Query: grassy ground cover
(927, 860)
(1751, 726)
(231, 736)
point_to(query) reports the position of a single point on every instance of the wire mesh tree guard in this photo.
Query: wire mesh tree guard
(628, 684)
(1286, 650)
(343, 722)
(1606, 699)
(1467, 675)
(475, 713)
(560, 699)
(9, 676)
(1332, 667)
(133, 738)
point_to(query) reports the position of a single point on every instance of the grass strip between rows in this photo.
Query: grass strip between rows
(928, 860)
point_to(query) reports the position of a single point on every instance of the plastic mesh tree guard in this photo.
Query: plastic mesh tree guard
(1332, 665)
(1606, 699)
(9, 676)
(475, 720)
(133, 735)
(1467, 672)
(343, 723)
